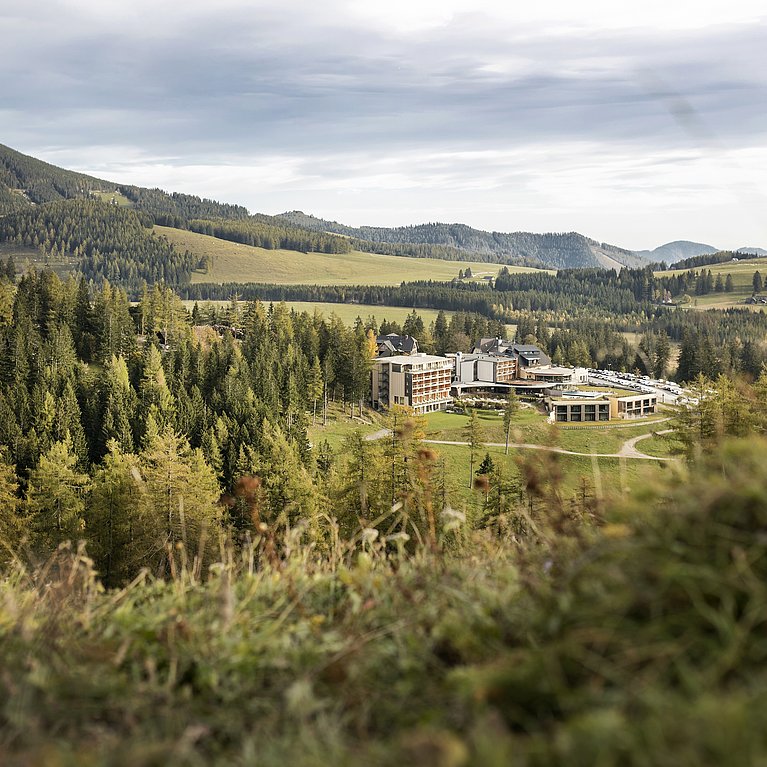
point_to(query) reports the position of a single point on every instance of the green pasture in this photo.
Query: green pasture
(742, 272)
(119, 199)
(233, 262)
(661, 445)
(601, 475)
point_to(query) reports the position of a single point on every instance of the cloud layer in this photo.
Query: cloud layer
(633, 130)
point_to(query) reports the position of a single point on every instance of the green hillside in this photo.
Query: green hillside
(742, 273)
(233, 262)
(27, 181)
(555, 249)
(34, 181)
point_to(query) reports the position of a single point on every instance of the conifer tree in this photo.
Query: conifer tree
(662, 355)
(181, 496)
(119, 403)
(359, 490)
(155, 399)
(114, 514)
(55, 497)
(509, 411)
(315, 387)
(287, 484)
(11, 523)
(472, 433)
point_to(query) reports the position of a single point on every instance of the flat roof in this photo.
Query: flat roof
(506, 385)
(413, 359)
(551, 370)
(577, 394)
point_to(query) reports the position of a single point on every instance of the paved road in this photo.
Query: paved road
(629, 447)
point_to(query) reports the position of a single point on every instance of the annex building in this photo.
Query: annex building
(578, 406)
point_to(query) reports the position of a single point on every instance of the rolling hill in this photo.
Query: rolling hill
(553, 250)
(28, 184)
(236, 262)
(678, 250)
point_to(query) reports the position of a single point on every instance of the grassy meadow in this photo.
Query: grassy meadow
(599, 474)
(113, 197)
(742, 273)
(233, 262)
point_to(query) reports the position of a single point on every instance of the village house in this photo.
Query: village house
(392, 345)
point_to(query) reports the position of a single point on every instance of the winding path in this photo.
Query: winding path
(628, 449)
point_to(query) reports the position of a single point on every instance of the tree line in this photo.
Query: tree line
(263, 232)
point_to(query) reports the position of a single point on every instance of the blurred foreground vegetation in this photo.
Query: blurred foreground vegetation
(633, 634)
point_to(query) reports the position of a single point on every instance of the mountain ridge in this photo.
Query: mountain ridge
(26, 181)
(551, 249)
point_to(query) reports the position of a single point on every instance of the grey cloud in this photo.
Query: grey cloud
(261, 82)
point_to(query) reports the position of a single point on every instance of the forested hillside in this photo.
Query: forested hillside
(25, 181)
(555, 250)
(39, 182)
(108, 242)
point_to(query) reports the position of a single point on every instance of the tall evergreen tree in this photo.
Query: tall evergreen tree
(114, 515)
(55, 497)
(11, 522)
(510, 409)
(155, 399)
(472, 433)
(181, 497)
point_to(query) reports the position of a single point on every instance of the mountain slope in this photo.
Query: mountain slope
(557, 250)
(34, 181)
(26, 182)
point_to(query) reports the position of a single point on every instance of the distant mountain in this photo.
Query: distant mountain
(26, 182)
(751, 251)
(557, 250)
(678, 250)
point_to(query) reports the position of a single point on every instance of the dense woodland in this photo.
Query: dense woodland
(107, 242)
(109, 411)
(588, 307)
(175, 209)
(40, 181)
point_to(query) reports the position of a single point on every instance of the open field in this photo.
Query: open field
(347, 312)
(232, 262)
(577, 474)
(742, 273)
(26, 258)
(119, 199)
(662, 445)
(340, 425)
(608, 475)
(532, 427)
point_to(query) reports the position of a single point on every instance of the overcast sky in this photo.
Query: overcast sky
(634, 126)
